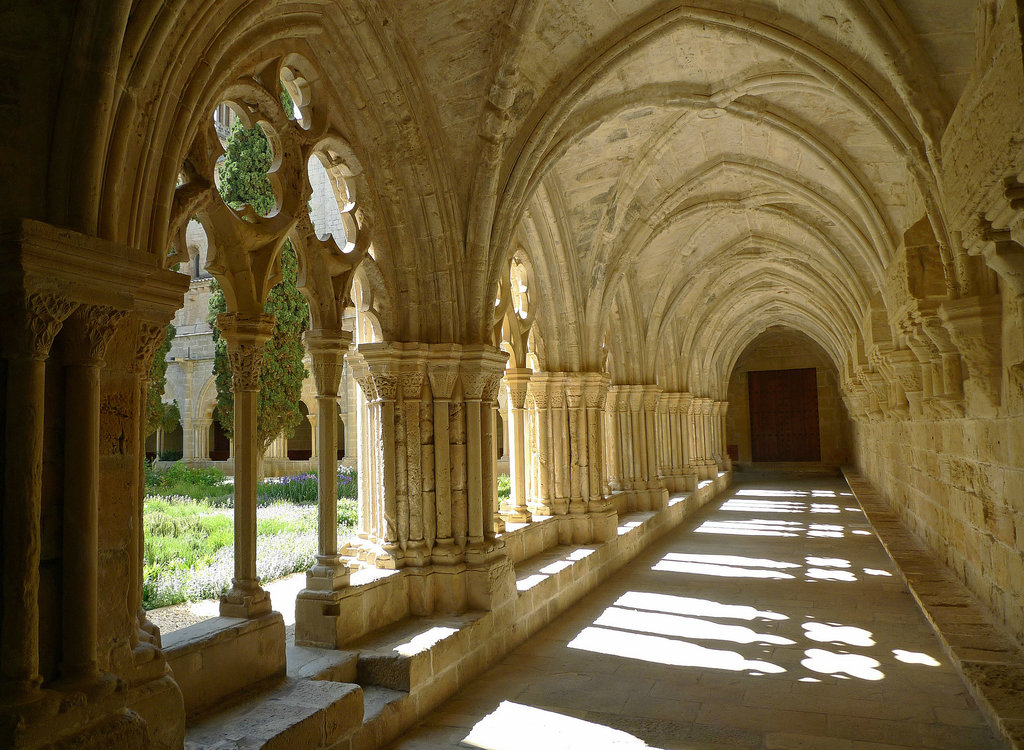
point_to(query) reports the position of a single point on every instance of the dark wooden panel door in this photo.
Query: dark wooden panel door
(784, 415)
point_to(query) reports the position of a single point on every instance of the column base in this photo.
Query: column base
(517, 514)
(245, 599)
(329, 574)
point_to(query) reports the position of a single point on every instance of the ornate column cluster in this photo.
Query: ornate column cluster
(246, 336)
(633, 446)
(673, 442)
(428, 488)
(702, 437)
(564, 441)
(517, 381)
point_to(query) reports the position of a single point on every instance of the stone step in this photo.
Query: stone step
(988, 658)
(295, 713)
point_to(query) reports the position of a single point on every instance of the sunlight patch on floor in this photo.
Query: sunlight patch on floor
(855, 665)
(684, 605)
(915, 657)
(684, 627)
(513, 726)
(659, 650)
(834, 633)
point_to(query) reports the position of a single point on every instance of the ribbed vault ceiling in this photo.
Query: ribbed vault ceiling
(715, 171)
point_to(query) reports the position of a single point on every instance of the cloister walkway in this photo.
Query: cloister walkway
(773, 618)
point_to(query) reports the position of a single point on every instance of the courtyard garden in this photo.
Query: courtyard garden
(189, 530)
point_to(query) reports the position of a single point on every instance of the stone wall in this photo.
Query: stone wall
(958, 484)
(788, 350)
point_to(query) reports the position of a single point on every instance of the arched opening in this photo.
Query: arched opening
(219, 442)
(785, 402)
(300, 443)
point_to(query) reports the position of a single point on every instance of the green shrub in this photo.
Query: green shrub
(180, 473)
(504, 488)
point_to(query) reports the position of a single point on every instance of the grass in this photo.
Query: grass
(189, 530)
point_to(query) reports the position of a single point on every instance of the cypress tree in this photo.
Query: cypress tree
(243, 180)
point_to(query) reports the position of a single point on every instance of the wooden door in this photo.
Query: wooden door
(784, 415)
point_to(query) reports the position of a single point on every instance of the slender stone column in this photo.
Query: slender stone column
(473, 381)
(613, 452)
(651, 394)
(442, 370)
(314, 434)
(637, 438)
(33, 322)
(327, 352)
(493, 522)
(411, 378)
(559, 443)
(88, 330)
(246, 336)
(723, 431)
(538, 390)
(596, 391)
(577, 442)
(149, 338)
(517, 382)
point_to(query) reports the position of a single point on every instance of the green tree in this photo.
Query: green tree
(243, 179)
(157, 412)
(243, 172)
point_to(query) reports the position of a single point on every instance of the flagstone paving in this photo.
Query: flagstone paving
(771, 619)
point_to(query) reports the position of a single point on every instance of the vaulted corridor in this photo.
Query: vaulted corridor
(773, 618)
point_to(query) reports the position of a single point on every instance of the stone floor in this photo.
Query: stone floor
(772, 619)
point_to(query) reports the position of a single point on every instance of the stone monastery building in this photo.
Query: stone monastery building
(620, 217)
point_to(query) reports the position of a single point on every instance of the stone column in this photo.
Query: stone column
(577, 442)
(517, 382)
(88, 330)
(408, 459)
(716, 433)
(559, 443)
(637, 438)
(149, 338)
(382, 372)
(327, 354)
(493, 522)
(724, 436)
(613, 452)
(442, 370)
(543, 490)
(246, 336)
(33, 321)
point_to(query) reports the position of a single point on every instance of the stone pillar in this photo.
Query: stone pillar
(559, 443)
(656, 490)
(636, 439)
(604, 519)
(517, 382)
(188, 437)
(613, 452)
(577, 441)
(542, 485)
(88, 330)
(327, 351)
(408, 458)
(724, 436)
(149, 338)
(33, 321)
(442, 370)
(246, 336)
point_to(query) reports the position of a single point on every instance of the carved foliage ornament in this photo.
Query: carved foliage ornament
(36, 321)
(94, 326)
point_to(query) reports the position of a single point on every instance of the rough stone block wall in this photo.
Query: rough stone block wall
(959, 485)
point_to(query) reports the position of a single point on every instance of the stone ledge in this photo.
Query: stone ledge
(988, 659)
(225, 656)
(296, 714)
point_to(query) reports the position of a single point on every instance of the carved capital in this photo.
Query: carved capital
(90, 329)
(327, 350)
(517, 382)
(34, 321)
(595, 390)
(148, 338)
(246, 336)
